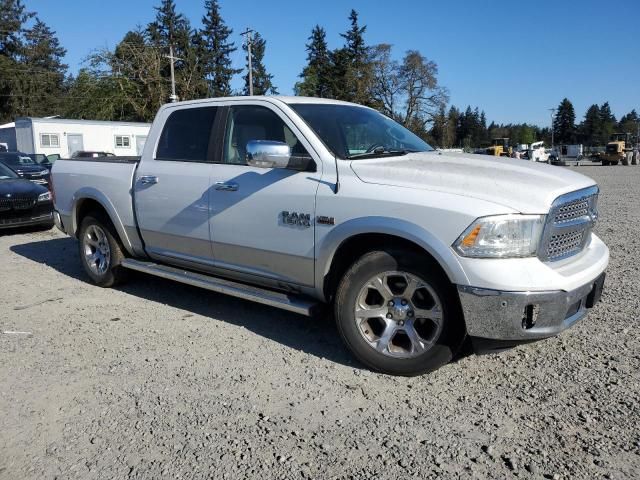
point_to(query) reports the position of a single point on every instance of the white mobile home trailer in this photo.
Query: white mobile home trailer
(8, 136)
(64, 136)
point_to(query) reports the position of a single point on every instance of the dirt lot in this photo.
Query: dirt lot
(160, 380)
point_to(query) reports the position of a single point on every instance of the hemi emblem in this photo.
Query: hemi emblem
(322, 220)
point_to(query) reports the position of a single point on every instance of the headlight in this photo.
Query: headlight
(501, 236)
(44, 197)
(44, 172)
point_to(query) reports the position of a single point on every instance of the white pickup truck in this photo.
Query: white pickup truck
(299, 202)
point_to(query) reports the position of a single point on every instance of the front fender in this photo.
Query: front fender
(328, 246)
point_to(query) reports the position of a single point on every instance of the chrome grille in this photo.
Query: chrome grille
(563, 243)
(569, 224)
(571, 211)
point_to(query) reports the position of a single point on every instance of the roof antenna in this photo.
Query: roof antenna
(337, 187)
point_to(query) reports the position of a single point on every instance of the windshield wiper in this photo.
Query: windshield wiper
(380, 154)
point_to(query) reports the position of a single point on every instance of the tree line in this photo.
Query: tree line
(131, 81)
(595, 128)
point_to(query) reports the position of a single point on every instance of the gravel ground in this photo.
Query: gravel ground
(161, 380)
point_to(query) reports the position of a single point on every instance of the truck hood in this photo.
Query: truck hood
(526, 187)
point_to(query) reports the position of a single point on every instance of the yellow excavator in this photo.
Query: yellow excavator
(619, 149)
(500, 148)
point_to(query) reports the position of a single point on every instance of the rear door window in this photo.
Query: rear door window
(186, 135)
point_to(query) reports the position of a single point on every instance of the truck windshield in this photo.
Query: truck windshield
(352, 132)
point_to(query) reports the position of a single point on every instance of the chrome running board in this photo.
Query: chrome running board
(271, 298)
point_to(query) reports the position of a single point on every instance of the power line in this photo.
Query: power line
(42, 95)
(101, 75)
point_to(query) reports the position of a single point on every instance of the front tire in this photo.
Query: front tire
(100, 251)
(398, 313)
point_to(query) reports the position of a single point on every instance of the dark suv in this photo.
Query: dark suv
(23, 203)
(25, 167)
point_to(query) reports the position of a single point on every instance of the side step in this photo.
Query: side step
(280, 300)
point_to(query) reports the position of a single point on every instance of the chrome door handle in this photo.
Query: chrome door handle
(149, 179)
(227, 186)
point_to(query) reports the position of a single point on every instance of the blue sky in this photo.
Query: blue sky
(513, 59)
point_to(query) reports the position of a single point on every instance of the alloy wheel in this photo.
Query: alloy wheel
(399, 314)
(97, 252)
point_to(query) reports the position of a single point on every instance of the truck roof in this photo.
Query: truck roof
(276, 98)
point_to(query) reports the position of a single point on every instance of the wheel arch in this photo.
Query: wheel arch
(347, 242)
(89, 200)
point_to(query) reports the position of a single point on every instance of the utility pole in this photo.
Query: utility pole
(247, 34)
(553, 112)
(173, 98)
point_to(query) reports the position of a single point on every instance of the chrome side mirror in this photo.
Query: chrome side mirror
(268, 154)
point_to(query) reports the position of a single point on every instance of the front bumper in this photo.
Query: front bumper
(516, 317)
(45, 219)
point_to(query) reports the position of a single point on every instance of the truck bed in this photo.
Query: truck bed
(123, 159)
(108, 180)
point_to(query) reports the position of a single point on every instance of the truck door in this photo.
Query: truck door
(262, 220)
(172, 188)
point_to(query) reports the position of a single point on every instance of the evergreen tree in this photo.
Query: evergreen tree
(340, 74)
(629, 123)
(13, 16)
(564, 127)
(216, 50)
(453, 120)
(607, 124)
(169, 27)
(41, 85)
(137, 83)
(590, 126)
(438, 131)
(316, 75)
(172, 29)
(262, 80)
(352, 61)
(354, 40)
(484, 133)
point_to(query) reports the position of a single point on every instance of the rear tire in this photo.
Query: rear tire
(101, 253)
(398, 314)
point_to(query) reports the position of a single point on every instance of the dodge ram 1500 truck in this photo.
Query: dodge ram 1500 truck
(299, 202)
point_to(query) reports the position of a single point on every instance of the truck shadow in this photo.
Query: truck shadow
(316, 336)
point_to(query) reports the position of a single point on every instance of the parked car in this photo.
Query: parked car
(275, 200)
(23, 203)
(25, 167)
(43, 160)
(90, 154)
(537, 152)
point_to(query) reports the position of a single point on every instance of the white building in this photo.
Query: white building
(8, 136)
(64, 136)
